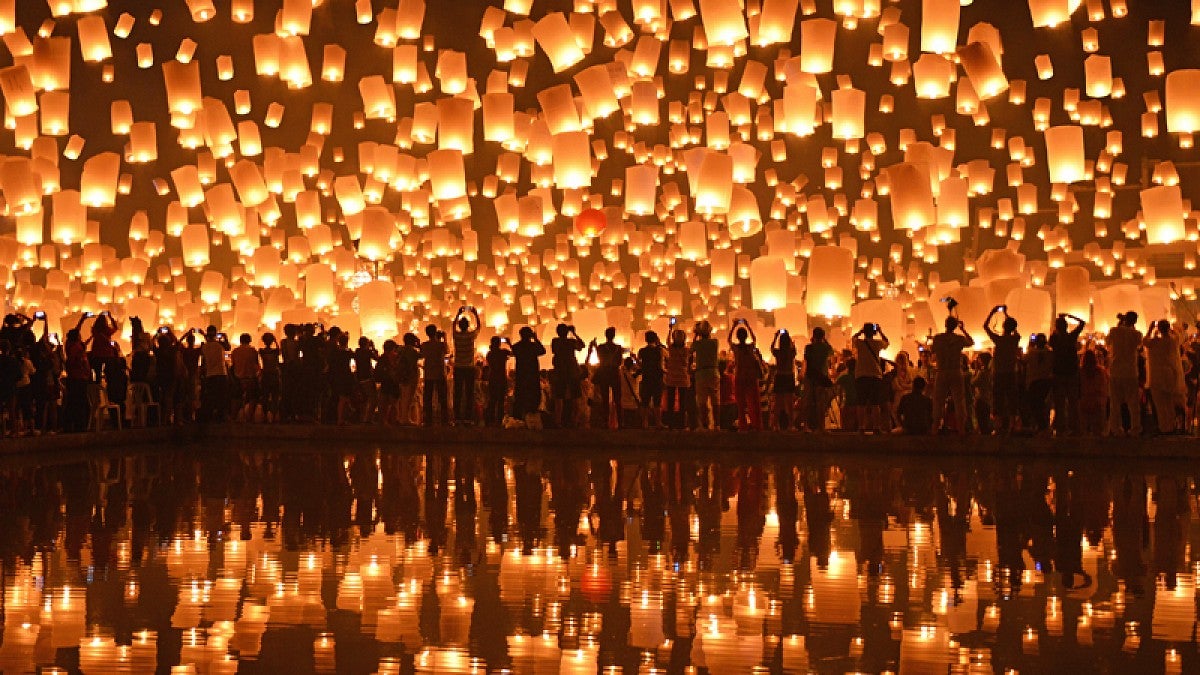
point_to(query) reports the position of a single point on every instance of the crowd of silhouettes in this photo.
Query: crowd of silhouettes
(1066, 383)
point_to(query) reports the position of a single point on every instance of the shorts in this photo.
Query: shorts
(248, 387)
(651, 393)
(870, 391)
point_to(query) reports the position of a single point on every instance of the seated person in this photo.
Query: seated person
(916, 410)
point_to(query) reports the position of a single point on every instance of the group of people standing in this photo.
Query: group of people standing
(1120, 383)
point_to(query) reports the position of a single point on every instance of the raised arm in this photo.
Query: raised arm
(1079, 324)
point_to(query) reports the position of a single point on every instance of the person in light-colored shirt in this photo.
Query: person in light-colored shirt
(1165, 367)
(1123, 342)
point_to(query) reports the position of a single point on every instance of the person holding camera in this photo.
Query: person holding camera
(784, 382)
(1165, 368)
(1005, 385)
(748, 370)
(1065, 390)
(868, 342)
(433, 359)
(466, 330)
(947, 348)
(565, 378)
(1124, 387)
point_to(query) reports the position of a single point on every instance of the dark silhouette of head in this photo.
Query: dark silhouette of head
(1164, 326)
(245, 339)
(526, 333)
(562, 330)
(610, 333)
(494, 343)
(431, 331)
(918, 384)
(742, 334)
(651, 337)
(951, 323)
(818, 334)
(1060, 324)
(464, 324)
(1009, 325)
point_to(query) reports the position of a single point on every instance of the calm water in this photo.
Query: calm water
(364, 562)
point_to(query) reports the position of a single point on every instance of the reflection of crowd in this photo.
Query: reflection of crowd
(1120, 383)
(699, 515)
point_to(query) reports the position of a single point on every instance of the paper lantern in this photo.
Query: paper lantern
(932, 74)
(553, 35)
(830, 281)
(641, 186)
(1050, 13)
(68, 217)
(572, 160)
(1117, 299)
(890, 316)
(378, 97)
(817, 38)
(1097, 71)
(1033, 309)
(911, 197)
(776, 21)
(377, 309)
(1073, 291)
(939, 25)
(849, 106)
(1162, 211)
(590, 222)
(596, 88)
(319, 286)
(714, 183)
(983, 69)
(20, 96)
(1182, 100)
(447, 174)
(768, 283)
(724, 21)
(182, 82)
(194, 241)
(1065, 153)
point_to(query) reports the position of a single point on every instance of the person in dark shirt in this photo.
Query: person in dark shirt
(566, 381)
(433, 356)
(607, 377)
(916, 410)
(365, 357)
(1006, 388)
(527, 386)
(650, 364)
(408, 375)
(1065, 388)
(497, 380)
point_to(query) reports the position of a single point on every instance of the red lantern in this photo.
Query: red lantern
(590, 222)
(596, 583)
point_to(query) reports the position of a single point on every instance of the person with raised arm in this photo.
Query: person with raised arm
(466, 330)
(947, 348)
(1165, 369)
(747, 373)
(868, 342)
(1065, 389)
(1005, 385)
(565, 379)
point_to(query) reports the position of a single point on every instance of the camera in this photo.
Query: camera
(163, 330)
(39, 315)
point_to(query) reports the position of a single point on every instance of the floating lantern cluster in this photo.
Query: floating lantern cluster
(266, 163)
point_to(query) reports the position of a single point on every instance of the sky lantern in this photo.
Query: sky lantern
(911, 197)
(768, 283)
(982, 66)
(849, 107)
(1182, 100)
(1050, 13)
(724, 21)
(553, 35)
(817, 37)
(20, 96)
(1073, 291)
(830, 281)
(194, 241)
(98, 182)
(776, 22)
(377, 309)
(932, 74)
(939, 25)
(1065, 153)
(447, 174)
(1162, 210)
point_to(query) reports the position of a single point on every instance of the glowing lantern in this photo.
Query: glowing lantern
(1182, 104)
(379, 99)
(447, 174)
(714, 183)
(817, 37)
(768, 283)
(19, 94)
(1050, 13)
(194, 241)
(591, 222)
(143, 143)
(98, 182)
(776, 21)
(377, 309)
(849, 107)
(182, 82)
(319, 286)
(1032, 307)
(498, 121)
(596, 88)
(1162, 210)
(553, 35)
(21, 191)
(931, 76)
(830, 281)
(1073, 291)
(724, 21)
(641, 184)
(983, 69)
(939, 25)
(911, 197)
(1065, 153)
(572, 160)
(1097, 71)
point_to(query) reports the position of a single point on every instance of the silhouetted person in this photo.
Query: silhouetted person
(607, 377)
(915, 411)
(466, 330)
(947, 348)
(565, 379)
(497, 380)
(1123, 342)
(433, 358)
(527, 386)
(1064, 345)
(1006, 388)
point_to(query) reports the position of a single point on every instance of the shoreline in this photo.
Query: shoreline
(483, 439)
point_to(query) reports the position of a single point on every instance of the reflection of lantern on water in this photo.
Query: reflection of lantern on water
(17, 649)
(539, 654)
(324, 659)
(795, 654)
(719, 647)
(1174, 615)
(646, 620)
(439, 660)
(834, 595)
(925, 649)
